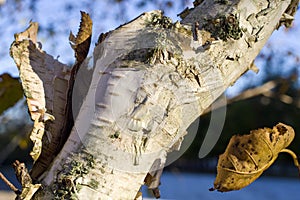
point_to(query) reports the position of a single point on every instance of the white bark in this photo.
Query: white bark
(151, 80)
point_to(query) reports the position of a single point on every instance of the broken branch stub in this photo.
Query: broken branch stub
(28, 188)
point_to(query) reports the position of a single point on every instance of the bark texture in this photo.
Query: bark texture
(151, 79)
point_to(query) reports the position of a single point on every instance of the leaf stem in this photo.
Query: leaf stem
(294, 156)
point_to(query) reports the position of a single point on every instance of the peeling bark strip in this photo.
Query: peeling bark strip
(32, 85)
(44, 81)
(48, 86)
(152, 78)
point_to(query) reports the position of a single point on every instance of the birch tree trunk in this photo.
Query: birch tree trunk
(151, 79)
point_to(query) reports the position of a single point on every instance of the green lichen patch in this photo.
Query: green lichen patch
(163, 22)
(224, 27)
(160, 21)
(116, 135)
(77, 166)
(158, 46)
(65, 189)
(160, 42)
(140, 55)
(93, 184)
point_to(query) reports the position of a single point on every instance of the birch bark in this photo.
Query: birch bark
(151, 79)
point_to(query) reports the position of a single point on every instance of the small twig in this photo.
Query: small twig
(9, 184)
(266, 87)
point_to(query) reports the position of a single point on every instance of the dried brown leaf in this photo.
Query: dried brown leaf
(247, 156)
(29, 33)
(81, 43)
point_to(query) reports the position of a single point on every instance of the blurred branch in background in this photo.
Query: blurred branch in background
(265, 88)
(18, 140)
(15, 126)
(9, 184)
(14, 120)
(272, 89)
(10, 91)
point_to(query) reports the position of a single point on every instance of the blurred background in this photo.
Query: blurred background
(254, 101)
